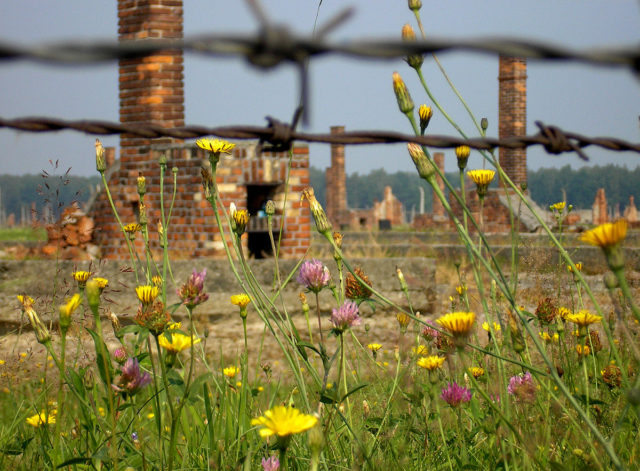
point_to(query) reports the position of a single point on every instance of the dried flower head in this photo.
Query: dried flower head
(153, 316)
(345, 317)
(612, 376)
(313, 275)
(284, 421)
(354, 289)
(546, 311)
(428, 332)
(430, 363)
(454, 395)
(594, 341)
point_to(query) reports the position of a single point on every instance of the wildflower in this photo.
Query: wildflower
(482, 179)
(495, 327)
(462, 154)
(141, 184)
(415, 5)
(425, 112)
(459, 324)
(132, 228)
(612, 376)
(157, 281)
(523, 387)
(230, 371)
(215, 146)
(558, 207)
(461, 289)
(42, 418)
(192, 292)
(430, 363)
(428, 332)
(131, 378)
(313, 275)
(174, 342)
(323, 226)
(147, 293)
(284, 421)
(454, 395)
(42, 333)
(414, 60)
(548, 338)
(81, 277)
(239, 219)
(424, 166)
(101, 162)
(583, 318)
(563, 312)
(476, 371)
(606, 235)
(374, 347)
(115, 322)
(345, 316)
(120, 355)
(420, 350)
(583, 350)
(405, 103)
(546, 311)
(403, 321)
(101, 282)
(356, 290)
(270, 464)
(67, 309)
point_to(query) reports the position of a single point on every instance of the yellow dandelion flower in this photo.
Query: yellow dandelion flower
(147, 293)
(23, 354)
(72, 304)
(240, 300)
(238, 384)
(476, 371)
(563, 312)
(230, 372)
(583, 318)
(461, 289)
(157, 280)
(284, 421)
(2, 362)
(606, 235)
(578, 266)
(42, 419)
(457, 323)
(217, 146)
(25, 301)
(178, 342)
(420, 350)
(583, 350)
(150, 415)
(81, 276)
(239, 219)
(432, 362)
(132, 228)
(559, 207)
(403, 320)
(495, 327)
(481, 177)
(101, 282)
(374, 347)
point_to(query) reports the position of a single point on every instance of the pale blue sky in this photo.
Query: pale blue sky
(357, 94)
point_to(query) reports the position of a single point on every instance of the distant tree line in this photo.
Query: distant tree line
(51, 192)
(546, 186)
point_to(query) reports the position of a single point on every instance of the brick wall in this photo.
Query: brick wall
(512, 110)
(336, 184)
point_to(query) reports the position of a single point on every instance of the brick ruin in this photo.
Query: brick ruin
(152, 92)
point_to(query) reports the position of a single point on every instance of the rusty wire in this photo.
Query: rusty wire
(281, 135)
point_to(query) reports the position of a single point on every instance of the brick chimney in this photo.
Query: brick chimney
(151, 88)
(336, 184)
(437, 206)
(512, 114)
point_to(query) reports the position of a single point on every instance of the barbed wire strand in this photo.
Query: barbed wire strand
(281, 135)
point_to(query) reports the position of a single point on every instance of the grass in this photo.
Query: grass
(22, 234)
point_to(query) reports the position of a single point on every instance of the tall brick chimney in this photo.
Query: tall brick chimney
(336, 183)
(512, 114)
(151, 88)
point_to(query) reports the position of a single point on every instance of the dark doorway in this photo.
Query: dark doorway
(258, 230)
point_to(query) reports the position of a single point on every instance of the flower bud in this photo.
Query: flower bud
(425, 112)
(270, 208)
(93, 294)
(610, 280)
(484, 124)
(337, 238)
(239, 219)
(142, 185)
(142, 214)
(207, 182)
(415, 5)
(42, 333)
(403, 282)
(323, 226)
(115, 322)
(101, 163)
(162, 159)
(414, 60)
(420, 160)
(462, 154)
(88, 380)
(161, 233)
(405, 103)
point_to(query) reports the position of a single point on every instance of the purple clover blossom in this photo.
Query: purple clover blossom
(192, 292)
(134, 436)
(313, 275)
(345, 316)
(270, 464)
(120, 355)
(523, 387)
(454, 395)
(131, 378)
(428, 332)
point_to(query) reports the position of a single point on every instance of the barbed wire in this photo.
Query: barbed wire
(281, 135)
(276, 44)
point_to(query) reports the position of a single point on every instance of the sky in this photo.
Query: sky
(355, 93)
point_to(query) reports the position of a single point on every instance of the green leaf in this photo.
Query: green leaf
(583, 399)
(77, 460)
(174, 378)
(353, 390)
(130, 329)
(102, 358)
